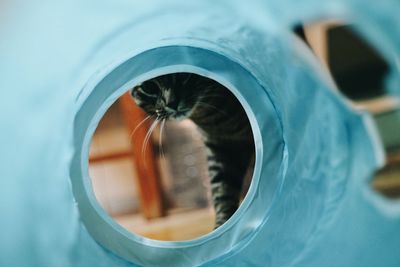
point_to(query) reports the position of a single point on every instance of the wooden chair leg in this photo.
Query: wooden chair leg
(148, 177)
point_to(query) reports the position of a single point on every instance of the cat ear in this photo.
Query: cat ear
(133, 90)
(135, 95)
(151, 88)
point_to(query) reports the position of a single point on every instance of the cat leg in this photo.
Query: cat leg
(227, 164)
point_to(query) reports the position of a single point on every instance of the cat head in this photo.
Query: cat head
(170, 96)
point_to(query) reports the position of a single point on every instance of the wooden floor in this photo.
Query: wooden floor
(174, 227)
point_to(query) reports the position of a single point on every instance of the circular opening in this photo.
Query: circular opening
(173, 158)
(103, 90)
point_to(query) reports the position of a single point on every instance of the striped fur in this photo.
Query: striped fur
(222, 121)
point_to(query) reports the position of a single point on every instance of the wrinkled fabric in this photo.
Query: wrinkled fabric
(63, 63)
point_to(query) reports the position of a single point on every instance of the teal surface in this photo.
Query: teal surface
(63, 63)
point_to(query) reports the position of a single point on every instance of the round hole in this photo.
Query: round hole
(108, 85)
(175, 152)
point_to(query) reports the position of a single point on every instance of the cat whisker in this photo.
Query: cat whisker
(150, 131)
(147, 137)
(138, 126)
(160, 140)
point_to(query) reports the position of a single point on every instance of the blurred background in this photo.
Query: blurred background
(158, 189)
(164, 193)
(359, 72)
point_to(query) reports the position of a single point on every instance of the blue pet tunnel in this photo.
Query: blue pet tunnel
(63, 63)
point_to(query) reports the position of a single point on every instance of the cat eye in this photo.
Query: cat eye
(150, 89)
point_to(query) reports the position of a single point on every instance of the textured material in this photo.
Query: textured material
(64, 62)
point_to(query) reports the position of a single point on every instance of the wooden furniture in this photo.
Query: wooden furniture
(145, 164)
(147, 172)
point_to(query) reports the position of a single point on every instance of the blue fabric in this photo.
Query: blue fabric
(310, 204)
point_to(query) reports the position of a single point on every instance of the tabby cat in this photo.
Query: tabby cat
(222, 121)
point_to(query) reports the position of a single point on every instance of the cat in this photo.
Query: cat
(222, 122)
